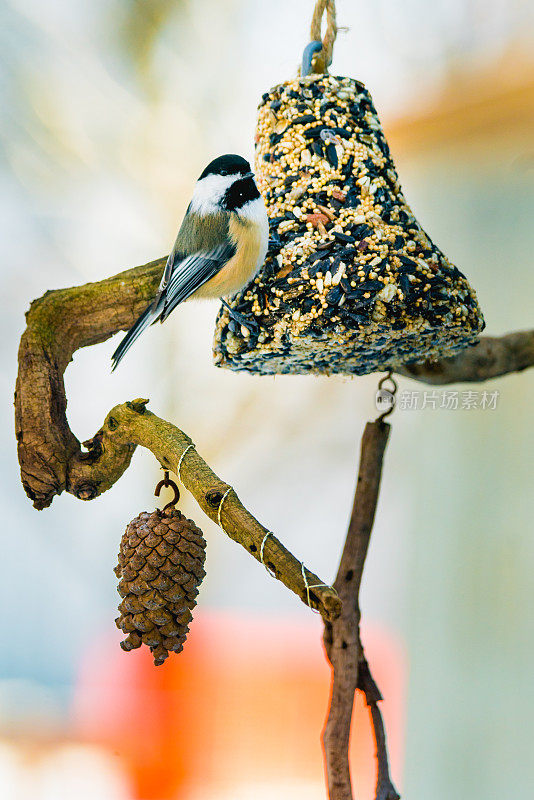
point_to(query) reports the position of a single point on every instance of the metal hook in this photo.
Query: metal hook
(166, 482)
(388, 377)
(310, 51)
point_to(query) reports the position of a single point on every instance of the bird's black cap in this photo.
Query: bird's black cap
(229, 164)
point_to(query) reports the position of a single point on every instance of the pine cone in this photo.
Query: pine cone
(160, 568)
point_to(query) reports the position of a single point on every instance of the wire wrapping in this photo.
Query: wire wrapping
(189, 446)
(271, 571)
(311, 586)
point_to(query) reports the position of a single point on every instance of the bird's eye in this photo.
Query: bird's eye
(224, 172)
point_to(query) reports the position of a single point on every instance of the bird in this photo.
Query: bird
(221, 244)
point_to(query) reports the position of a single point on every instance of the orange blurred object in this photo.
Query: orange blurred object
(243, 706)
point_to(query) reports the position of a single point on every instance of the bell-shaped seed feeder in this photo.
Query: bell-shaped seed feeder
(351, 283)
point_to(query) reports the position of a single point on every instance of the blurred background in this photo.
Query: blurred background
(109, 111)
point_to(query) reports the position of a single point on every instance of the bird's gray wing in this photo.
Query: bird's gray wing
(178, 252)
(202, 248)
(189, 273)
(197, 234)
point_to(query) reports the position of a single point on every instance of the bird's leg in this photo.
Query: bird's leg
(251, 324)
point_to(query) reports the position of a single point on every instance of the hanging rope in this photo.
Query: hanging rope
(323, 59)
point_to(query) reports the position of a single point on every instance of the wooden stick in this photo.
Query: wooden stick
(492, 357)
(366, 683)
(342, 637)
(131, 424)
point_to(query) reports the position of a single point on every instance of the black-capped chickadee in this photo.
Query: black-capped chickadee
(220, 246)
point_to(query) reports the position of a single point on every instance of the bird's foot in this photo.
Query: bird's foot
(247, 322)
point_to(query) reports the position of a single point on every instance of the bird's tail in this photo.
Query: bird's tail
(148, 316)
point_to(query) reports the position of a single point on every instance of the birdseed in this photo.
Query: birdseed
(351, 282)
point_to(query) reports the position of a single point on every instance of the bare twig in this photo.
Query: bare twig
(366, 683)
(131, 424)
(490, 358)
(342, 637)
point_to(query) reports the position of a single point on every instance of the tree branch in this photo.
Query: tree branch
(490, 358)
(51, 457)
(342, 637)
(366, 683)
(62, 321)
(131, 424)
(58, 324)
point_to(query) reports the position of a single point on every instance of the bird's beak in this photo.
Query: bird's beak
(248, 175)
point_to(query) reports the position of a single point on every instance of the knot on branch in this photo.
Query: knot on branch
(139, 405)
(215, 496)
(86, 491)
(93, 448)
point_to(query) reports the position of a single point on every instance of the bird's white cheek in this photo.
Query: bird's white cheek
(208, 193)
